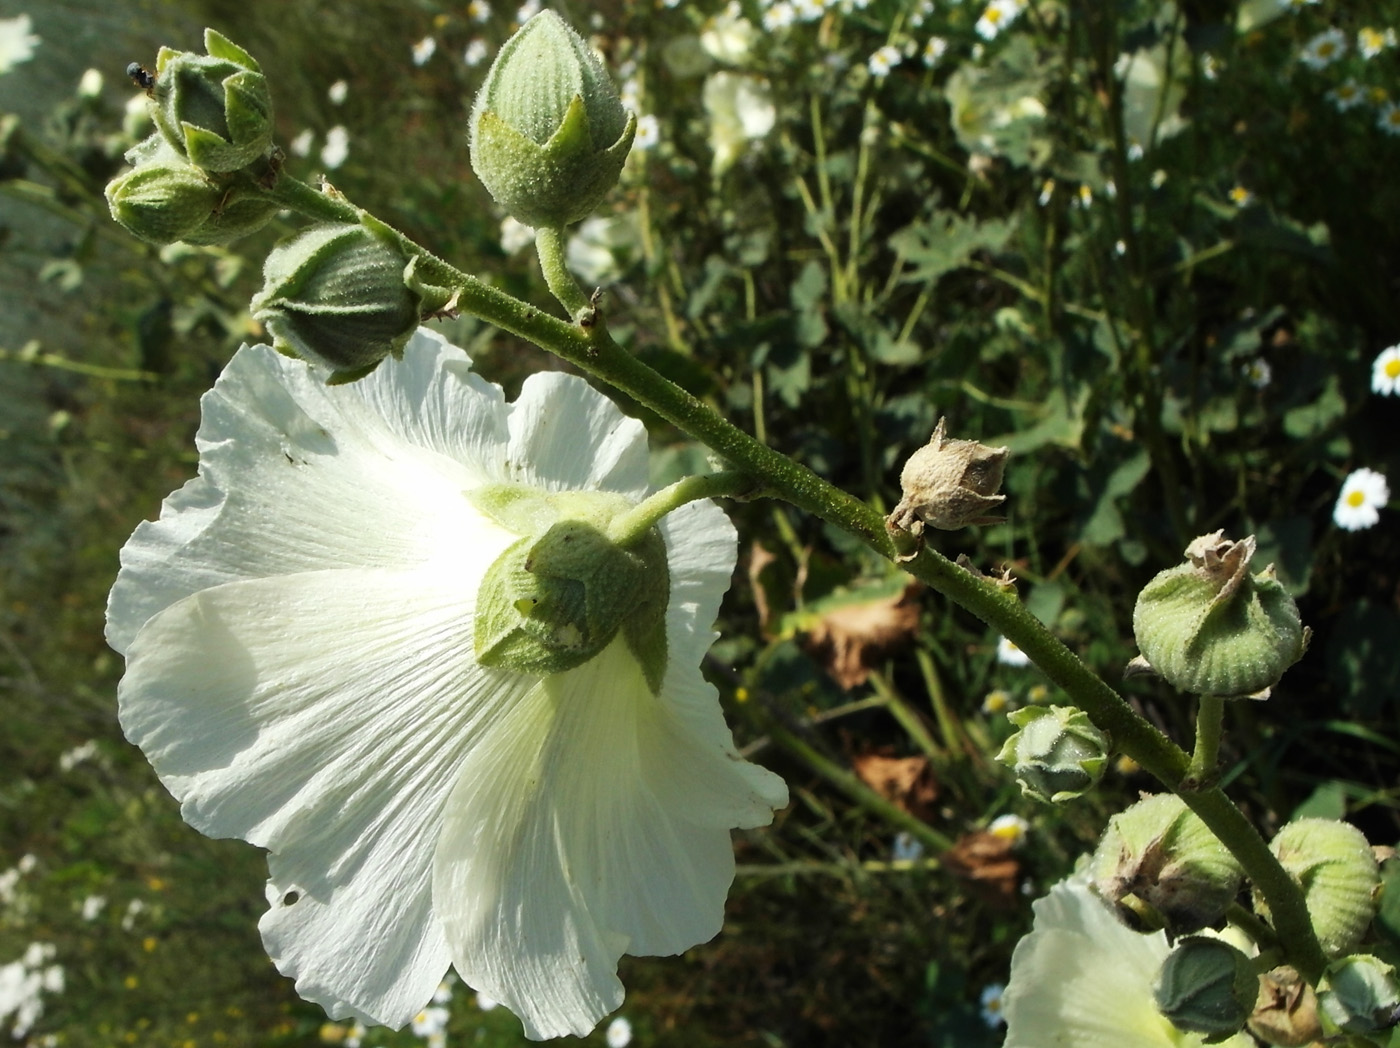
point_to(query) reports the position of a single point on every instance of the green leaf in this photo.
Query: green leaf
(945, 242)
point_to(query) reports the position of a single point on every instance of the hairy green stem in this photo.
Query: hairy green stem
(636, 522)
(1206, 755)
(553, 251)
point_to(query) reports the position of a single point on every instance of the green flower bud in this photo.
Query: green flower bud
(1359, 994)
(1286, 1012)
(548, 132)
(1159, 866)
(344, 297)
(1057, 755)
(559, 596)
(215, 109)
(1211, 628)
(1206, 986)
(1334, 865)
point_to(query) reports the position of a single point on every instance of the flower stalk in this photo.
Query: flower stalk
(553, 252)
(627, 528)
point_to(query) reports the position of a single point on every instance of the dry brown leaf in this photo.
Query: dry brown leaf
(848, 641)
(759, 558)
(904, 781)
(985, 861)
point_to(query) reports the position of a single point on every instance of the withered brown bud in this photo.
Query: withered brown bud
(1286, 1013)
(949, 484)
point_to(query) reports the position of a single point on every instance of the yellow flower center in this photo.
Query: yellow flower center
(1356, 499)
(1392, 368)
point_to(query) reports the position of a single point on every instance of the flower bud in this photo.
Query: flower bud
(1206, 986)
(215, 109)
(1286, 1012)
(949, 484)
(1209, 627)
(1334, 865)
(548, 132)
(1057, 754)
(343, 296)
(560, 595)
(1160, 866)
(1359, 994)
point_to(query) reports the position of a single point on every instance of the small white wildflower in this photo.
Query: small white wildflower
(1047, 190)
(17, 41)
(70, 759)
(906, 848)
(90, 84)
(1385, 372)
(92, 906)
(996, 702)
(919, 15)
(808, 10)
(1159, 178)
(301, 144)
(934, 50)
(1371, 42)
(619, 1033)
(1210, 66)
(424, 50)
(630, 94)
(1364, 494)
(486, 1004)
(355, 1036)
(337, 92)
(527, 11)
(728, 36)
(998, 15)
(478, 10)
(28, 863)
(475, 53)
(1010, 655)
(648, 132)
(337, 147)
(134, 909)
(779, 16)
(515, 235)
(1120, 247)
(1258, 373)
(1240, 196)
(1010, 828)
(430, 1021)
(443, 993)
(991, 1002)
(1347, 95)
(883, 60)
(1083, 196)
(1388, 118)
(1324, 49)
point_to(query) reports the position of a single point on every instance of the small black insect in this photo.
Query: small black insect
(141, 76)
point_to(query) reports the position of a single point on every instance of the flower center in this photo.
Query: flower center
(1392, 368)
(1356, 499)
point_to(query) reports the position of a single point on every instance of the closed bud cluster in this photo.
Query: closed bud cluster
(1206, 986)
(1359, 994)
(1211, 628)
(1057, 754)
(343, 296)
(560, 595)
(214, 109)
(1334, 865)
(949, 484)
(549, 134)
(1159, 866)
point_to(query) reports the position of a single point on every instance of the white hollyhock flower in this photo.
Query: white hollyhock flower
(1082, 978)
(298, 632)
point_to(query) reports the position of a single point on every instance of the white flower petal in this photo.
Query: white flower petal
(324, 716)
(278, 494)
(701, 545)
(592, 821)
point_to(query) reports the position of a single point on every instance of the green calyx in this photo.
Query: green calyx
(1206, 986)
(562, 593)
(343, 296)
(549, 134)
(215, 108)
(1057, 755)
(1211, 628)
(1333, 863)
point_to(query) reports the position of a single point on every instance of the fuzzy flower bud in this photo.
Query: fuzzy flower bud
(559, 596)
(1359, 994)
(1057, 754)
(949, 484)
(549, 134)
(1159, 866)
(215, 109)
(1338, 873)
(1210, 627)
(343, 296)
(1206, 986)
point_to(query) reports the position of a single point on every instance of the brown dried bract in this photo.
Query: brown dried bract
(949, 484)
(906, 782)
(986, 862)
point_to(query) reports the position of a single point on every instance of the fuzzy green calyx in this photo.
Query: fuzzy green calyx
(549, 134)
(1334, 865)
(343, 296)
(1057, 754)
(215, 108)
(1211, 628)
(1206, 986)
(560, 595)
(1359, 994)
(1159, 866)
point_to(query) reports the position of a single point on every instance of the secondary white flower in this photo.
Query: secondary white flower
(515, 235)
(1388, 118)
(1364, 494)
(479, 10)
(728, 36)
(1385, 372)
(22, 986)
(475, 53)
(906, 848)
(934, 50)
(1258, 373)
(1082, 978)
(740, 109)
(619, 1033)
(337, 92)
(1347, 95)
(337, 147)
(298, 630)
(993, 1000)
(1010, 828)
(1010, 655)
(779, 16)
(1371, 42)
(93, 906)
(648, 132)
(90, 84)
(808, 10)
(1324, 49)
(17, 41)
(883, 60)
(998, 15)
(424, 50)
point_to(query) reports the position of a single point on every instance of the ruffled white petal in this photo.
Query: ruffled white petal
(592, 820)
(325, 716)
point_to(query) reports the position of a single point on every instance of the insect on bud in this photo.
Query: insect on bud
(1211, 628)
(1159, 866)
(949, 484)
(549, 134)
(215, 109)
(1057, 754)
(1334, 865)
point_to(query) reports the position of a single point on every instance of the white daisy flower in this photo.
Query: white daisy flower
(1081, 977)
(619, 1033)
(93, 906)
(1010, 655)
(779, 16)
(337, 92)
(1388, 118)
(475, 53)
(1258, 373)
(934, 50)
(1240, 196)
(337, 147)
(741, 110)
(1371, 42)
(808, 10)
(997, 701)
(1385, 372)
(992, 1001)
(424, 50)
(17, 42)
(515, 235)
(906, 848)
(1011, 828)
(883, 60)
(301, 144)
(920, 14)
(998, 15)
(1347, 95)
(486, 1004)
(527, 11)
(479, 11)
(1364, 494)
(300, 671)
(1324, 49)
(431, 1021)
(648, 132)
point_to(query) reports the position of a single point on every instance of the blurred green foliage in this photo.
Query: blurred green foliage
(1141, 245)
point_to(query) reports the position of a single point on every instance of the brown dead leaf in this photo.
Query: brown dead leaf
(848, 641)
(904, 781)
(759, 558)
(985, 861)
